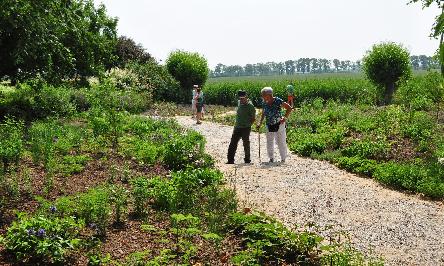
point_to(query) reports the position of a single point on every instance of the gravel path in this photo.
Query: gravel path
(403, 229)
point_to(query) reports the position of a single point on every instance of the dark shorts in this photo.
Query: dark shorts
(199, 108)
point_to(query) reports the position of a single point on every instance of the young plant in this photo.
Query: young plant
(95, 208)
(185, 227)
(140, 193)
(43, 240)
(11, 142)
(119, 198)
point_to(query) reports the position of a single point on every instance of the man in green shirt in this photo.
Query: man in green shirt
(245, 117)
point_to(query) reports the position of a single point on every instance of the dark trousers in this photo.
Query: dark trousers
(240, 133)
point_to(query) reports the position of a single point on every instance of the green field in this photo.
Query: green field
(356, 75)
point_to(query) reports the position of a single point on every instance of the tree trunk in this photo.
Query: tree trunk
(388, 94)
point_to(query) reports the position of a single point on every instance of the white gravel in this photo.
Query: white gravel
(404, 229)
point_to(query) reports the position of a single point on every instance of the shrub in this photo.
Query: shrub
(182, 192)
(119, 198)
(305, 144)
(53, 101)
(421, 93)
(184, 151)
(35, 100)
(158, 80)
(385, 65)
(40, 239)
(128, 51)
(420, 127)
(11, 142)
(357, 165)
(43, 137)
(188, 68)
(80, 100)
(142, 150)
(94, 207)
(404, 176)
(270, 241)
(140, 193)
(368, 148)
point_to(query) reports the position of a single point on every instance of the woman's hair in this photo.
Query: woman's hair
(267, 90)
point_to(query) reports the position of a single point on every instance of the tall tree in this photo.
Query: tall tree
(415, 62)
(127, 50)
(290, 67)
(55, 39)
(249, 70)
(336, 64)
(438, 27)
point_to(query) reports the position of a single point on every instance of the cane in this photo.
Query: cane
(259, 141)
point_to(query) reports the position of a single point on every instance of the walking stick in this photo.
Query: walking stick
(259, 140)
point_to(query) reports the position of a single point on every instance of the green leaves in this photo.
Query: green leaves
(188, 68)
(55, 39)
(385, 65)
(42, 239)
(11, 142)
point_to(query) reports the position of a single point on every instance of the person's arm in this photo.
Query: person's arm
(288, 110)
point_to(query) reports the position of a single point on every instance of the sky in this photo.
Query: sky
(251, 31)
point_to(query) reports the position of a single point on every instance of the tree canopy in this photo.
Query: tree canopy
(55, 39)
(385, 65)
(127, 50)
(188, 68)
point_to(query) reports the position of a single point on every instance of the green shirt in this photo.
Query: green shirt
(245, 115)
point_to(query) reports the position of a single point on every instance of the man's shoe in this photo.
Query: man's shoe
(247, 161)
(271, 160)
(229, 162)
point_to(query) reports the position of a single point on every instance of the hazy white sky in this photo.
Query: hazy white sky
(250, 31)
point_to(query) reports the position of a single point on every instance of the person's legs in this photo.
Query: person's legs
(199, 114)
(281, 139)
(235, 137)
(246, 142)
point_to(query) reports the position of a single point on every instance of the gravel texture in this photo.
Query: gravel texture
(402, 228)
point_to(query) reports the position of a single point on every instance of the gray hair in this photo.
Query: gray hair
(267, 90)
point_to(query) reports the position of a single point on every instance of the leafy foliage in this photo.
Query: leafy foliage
(55, 40)
(385, 65)
(11, 142)
(41, 239)
(128, 51)
(188, 68)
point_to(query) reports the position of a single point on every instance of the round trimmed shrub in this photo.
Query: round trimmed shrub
(385, 65)
(188, 68)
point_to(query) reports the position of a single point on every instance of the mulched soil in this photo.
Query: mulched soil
(120, 241)
(96, 172)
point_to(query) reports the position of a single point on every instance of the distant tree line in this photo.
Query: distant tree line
(309, 65)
